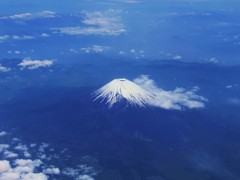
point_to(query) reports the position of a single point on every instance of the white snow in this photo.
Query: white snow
(144, 92)
(119, 89)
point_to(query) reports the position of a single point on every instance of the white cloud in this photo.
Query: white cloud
(34, 64)
(17, 52)
(122, 53)
(15, 37)
(75, 51)
(229, 86)
(177, 57)
(4, 37)
(31, 16)
(21, 147)
(132, 50)
(53, 170)
(24, 150)
(45, 35)
(177, 99)
(23, 170)
(24, 37)
(127, 1)
(96, 23)
(2, 133)
(10, 154)
(4, 166)
(19, 167)
(85, 177)
(42, 147)
(95, 49)
(83, 172)
(214, 60)
(34, 176)
(3, 147)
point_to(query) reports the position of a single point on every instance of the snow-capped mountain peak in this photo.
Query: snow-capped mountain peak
(123, 89)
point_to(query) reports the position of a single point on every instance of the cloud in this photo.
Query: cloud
(177, 99)
(134, 53)
(24, 37)
(4, 69)
(177, 57)
(10, 154)
(24, 149)
(213, 60)
(15, 37)
(96, 23)
(95, 49)
(229, 86)
(52, 170)
(85, 177)
(34, 64)
(17, 52)
(19, 167)
(4, 38)
(83, 172)
(3, 133)
(45, 35)
(31, 16)
(3, 147)
(4, 166)
(127, 1)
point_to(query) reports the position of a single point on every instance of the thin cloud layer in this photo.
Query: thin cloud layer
(95, 49)
(34, 64)
(4, 38)
(30, 16)
(177, 99)
(4, 69)
(24, 37)
(96, 23)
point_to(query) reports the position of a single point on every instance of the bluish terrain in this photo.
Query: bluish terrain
(54, 56)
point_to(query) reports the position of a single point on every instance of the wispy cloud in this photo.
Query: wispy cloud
(177, 99)
(24, 37)
(15, 37)
(16, 166)
(96, 23)
(4, 69)
(44, 35)
(127, 1)
(30, 16)
(3, 133)
(4, 38)
(95, 49)
(34, 64)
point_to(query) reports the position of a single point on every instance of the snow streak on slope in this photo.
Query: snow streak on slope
(123, 89)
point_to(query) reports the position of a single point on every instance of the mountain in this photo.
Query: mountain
(119, 90)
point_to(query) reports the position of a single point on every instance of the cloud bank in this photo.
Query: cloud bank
(177, 99)
(36, 164)
(4, 69)
(34, 64)
(96, 23)
(95, 49)
(30, 16)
